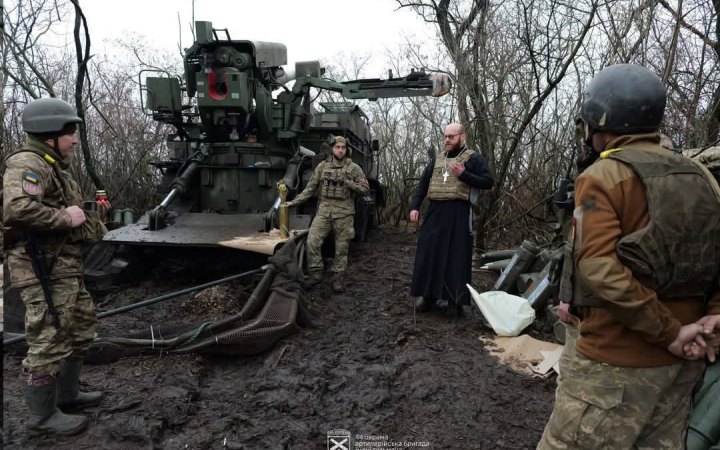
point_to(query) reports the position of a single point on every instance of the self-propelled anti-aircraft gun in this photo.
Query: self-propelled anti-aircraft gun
(239, 130)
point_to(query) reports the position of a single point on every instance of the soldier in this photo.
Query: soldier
(339, 181)
(44, 242)
(644, 245)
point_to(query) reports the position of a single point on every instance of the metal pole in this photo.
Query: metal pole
(151, 301)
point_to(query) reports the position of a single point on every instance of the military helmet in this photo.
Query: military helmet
(624, 99)
(48, 115)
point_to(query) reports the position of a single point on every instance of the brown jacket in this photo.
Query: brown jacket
(634, 327)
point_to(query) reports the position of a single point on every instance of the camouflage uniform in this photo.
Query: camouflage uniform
(600, 406)
(337, 185)
(36, 190)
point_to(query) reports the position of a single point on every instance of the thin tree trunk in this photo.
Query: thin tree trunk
(82, 60)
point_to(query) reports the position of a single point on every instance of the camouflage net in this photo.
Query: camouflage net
(273, 311)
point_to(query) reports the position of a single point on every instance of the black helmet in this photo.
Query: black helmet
(48, 116)
(624, 99)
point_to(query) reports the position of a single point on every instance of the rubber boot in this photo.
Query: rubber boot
(45, 417)
(68, 383)
(337, 284)
(423, 304)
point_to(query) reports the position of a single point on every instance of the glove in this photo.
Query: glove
(288, 204)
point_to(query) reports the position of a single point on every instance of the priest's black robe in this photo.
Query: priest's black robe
(443, 258)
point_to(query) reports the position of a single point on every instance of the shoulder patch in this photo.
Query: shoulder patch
(31, 183)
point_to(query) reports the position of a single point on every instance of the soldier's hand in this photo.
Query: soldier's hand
(288, 204)
(414, 215)
(104, 205)
(77, 216)
(457, 168)
(689, 343)
(565, 315)
(711, 324)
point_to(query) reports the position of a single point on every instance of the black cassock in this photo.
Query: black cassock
(443, 258)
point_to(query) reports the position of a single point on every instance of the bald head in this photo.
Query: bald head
(455, 137)
(455, 128)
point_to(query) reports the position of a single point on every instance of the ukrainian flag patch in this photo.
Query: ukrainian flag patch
(31, 183)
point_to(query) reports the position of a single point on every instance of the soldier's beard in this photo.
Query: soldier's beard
(586, 156)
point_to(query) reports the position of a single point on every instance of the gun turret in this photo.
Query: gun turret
(237, 135)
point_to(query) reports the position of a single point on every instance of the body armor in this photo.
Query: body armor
(674, 256)
(444, 186)
(678, 253)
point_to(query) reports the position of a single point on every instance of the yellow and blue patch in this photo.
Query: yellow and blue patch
(31, 183)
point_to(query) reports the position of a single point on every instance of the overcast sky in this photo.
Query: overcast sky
(311, 29)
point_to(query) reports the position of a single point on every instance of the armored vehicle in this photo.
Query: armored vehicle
(243, 121)
(240, 129)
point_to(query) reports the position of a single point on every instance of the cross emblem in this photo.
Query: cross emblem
(445, 176)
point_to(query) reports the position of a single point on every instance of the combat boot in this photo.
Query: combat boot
(68, 383)
(337, 283)
(314, 278)
(45, 417)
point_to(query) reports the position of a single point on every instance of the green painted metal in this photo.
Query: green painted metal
(240, 128)
(704, 429)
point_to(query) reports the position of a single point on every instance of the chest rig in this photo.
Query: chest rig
(333, 182)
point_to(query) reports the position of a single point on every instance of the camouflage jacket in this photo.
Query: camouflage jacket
(351, 178)
(36, 191)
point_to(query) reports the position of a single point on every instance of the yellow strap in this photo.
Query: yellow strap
(606, 153)
(49, 159)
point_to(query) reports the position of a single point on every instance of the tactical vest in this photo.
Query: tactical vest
(443, 185)
(333, 182)
(674, 256)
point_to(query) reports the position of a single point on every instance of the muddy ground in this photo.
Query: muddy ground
(368, 365)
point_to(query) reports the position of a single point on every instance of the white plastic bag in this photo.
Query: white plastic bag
(507, 314)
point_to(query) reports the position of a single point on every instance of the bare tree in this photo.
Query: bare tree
(508, 59)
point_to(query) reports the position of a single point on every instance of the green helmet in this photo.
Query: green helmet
(48, 115)
(624, 99)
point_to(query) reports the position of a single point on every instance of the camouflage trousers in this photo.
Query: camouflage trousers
(48, 345)
(599, 406)
(320, 228)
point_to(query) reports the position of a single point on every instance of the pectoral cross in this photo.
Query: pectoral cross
(445, 176)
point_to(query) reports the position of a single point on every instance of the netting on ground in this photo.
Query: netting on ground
(273, 310)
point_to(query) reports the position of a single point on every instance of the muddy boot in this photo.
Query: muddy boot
(423, 304)
(337, 283)
(313, 279)
(68, 382)
(45, 417)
